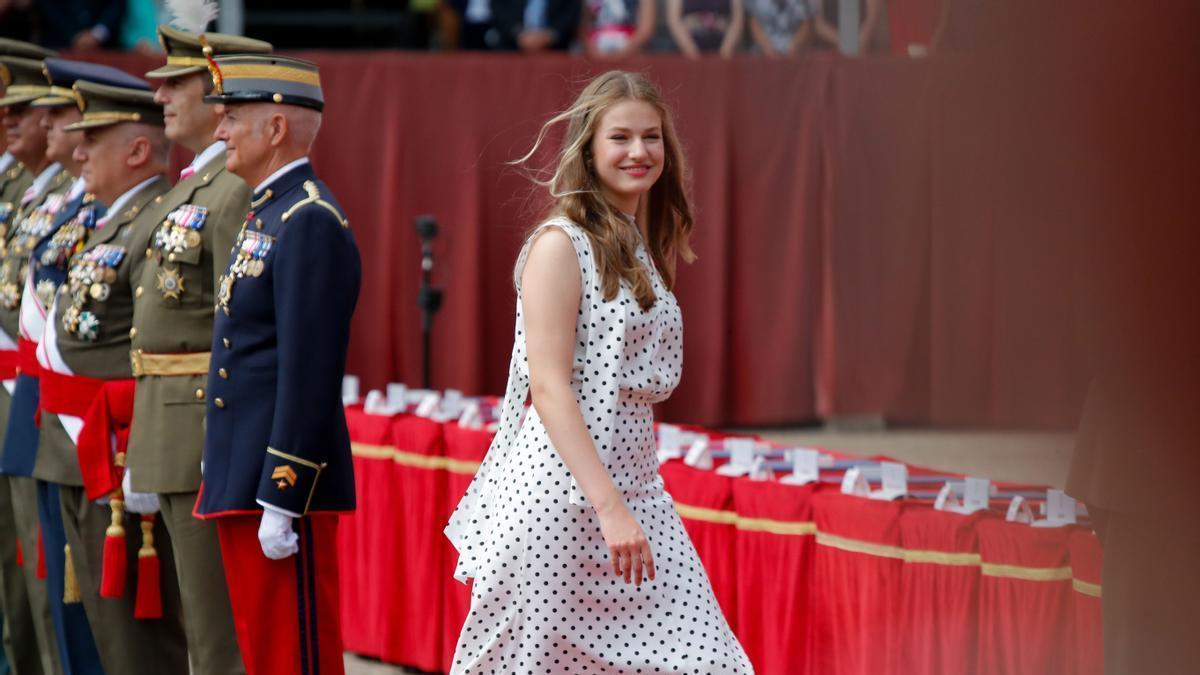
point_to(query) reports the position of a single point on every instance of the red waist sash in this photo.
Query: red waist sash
(27, 363)
(106, 407)
(8, 364)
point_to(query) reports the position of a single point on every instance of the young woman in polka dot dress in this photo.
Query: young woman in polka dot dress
(580, 562)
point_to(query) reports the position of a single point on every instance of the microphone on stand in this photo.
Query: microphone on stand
(429, 297)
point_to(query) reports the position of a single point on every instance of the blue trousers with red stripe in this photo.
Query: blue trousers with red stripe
(285, 611)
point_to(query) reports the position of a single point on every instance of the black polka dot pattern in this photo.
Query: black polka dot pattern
(545, 599)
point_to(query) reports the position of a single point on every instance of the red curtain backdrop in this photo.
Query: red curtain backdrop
(874, 235)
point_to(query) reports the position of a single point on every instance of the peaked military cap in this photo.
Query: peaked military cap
(255, 78)
(62, 75)
(19, 49)
(186, 51)
(104, 105)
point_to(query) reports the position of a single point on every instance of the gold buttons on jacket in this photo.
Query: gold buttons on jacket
(149, 252)
(220, 403)
(223, 373)
(133, 332)
(200, 394)
(226, 342)
(137, 292)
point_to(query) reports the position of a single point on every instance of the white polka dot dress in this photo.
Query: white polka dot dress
(545, 599)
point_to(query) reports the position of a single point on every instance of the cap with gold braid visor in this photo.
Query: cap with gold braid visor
(265, 78)
(21, 71)
(185, 50)
(62, 75)
(104, 105)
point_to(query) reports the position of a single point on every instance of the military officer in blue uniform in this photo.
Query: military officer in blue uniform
(277, 465)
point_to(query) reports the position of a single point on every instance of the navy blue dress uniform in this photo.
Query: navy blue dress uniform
(276, 432)
(279, 349)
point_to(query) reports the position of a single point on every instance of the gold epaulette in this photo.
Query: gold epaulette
(314, 197)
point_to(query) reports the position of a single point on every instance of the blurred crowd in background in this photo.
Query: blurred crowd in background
(598, 28)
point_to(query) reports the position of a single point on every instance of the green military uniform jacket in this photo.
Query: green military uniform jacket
(14, 264)
(194, 232)
(13, 183)
(93, 334)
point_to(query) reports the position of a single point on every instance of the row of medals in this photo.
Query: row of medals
(90, 276)
(249, 251)
(169, 239)
(29, 232)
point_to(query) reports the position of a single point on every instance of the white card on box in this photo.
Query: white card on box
(452, 403)
(855, 483)
(376, 404)
(946, 499)
(699, 456)
(395, 397)
(1060, 510)
(894, 479)
(471, 417)
(429, 405)
(741, 457)
(805, 468)
(350, 385)
(977, 494)
(1019, 511)
(669, 443)
(759, 470)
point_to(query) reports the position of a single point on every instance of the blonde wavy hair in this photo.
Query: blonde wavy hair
(576, 190)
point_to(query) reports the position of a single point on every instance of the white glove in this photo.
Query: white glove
(276, 535)
(138, 502)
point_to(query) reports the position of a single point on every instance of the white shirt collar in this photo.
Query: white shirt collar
(119, 202)
(45, 177)
(77, 189)
(281, 171)
(207, 155)
(6, 160)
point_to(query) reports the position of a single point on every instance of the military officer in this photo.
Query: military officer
(87, 383)
(194, 228)
(38, 203)
(124, 644)
(277, 465)
(21, 641)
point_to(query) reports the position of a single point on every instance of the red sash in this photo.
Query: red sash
(8, 364)
(106, 407)
(27, 363)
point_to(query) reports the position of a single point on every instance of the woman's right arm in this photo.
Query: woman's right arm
(550, 296)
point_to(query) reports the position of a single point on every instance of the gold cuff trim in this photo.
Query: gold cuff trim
(1026, 573)
(187, 61)
(1086, 587)
(169, 365)
(65, 92)
(292, 458)
(261, 72)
